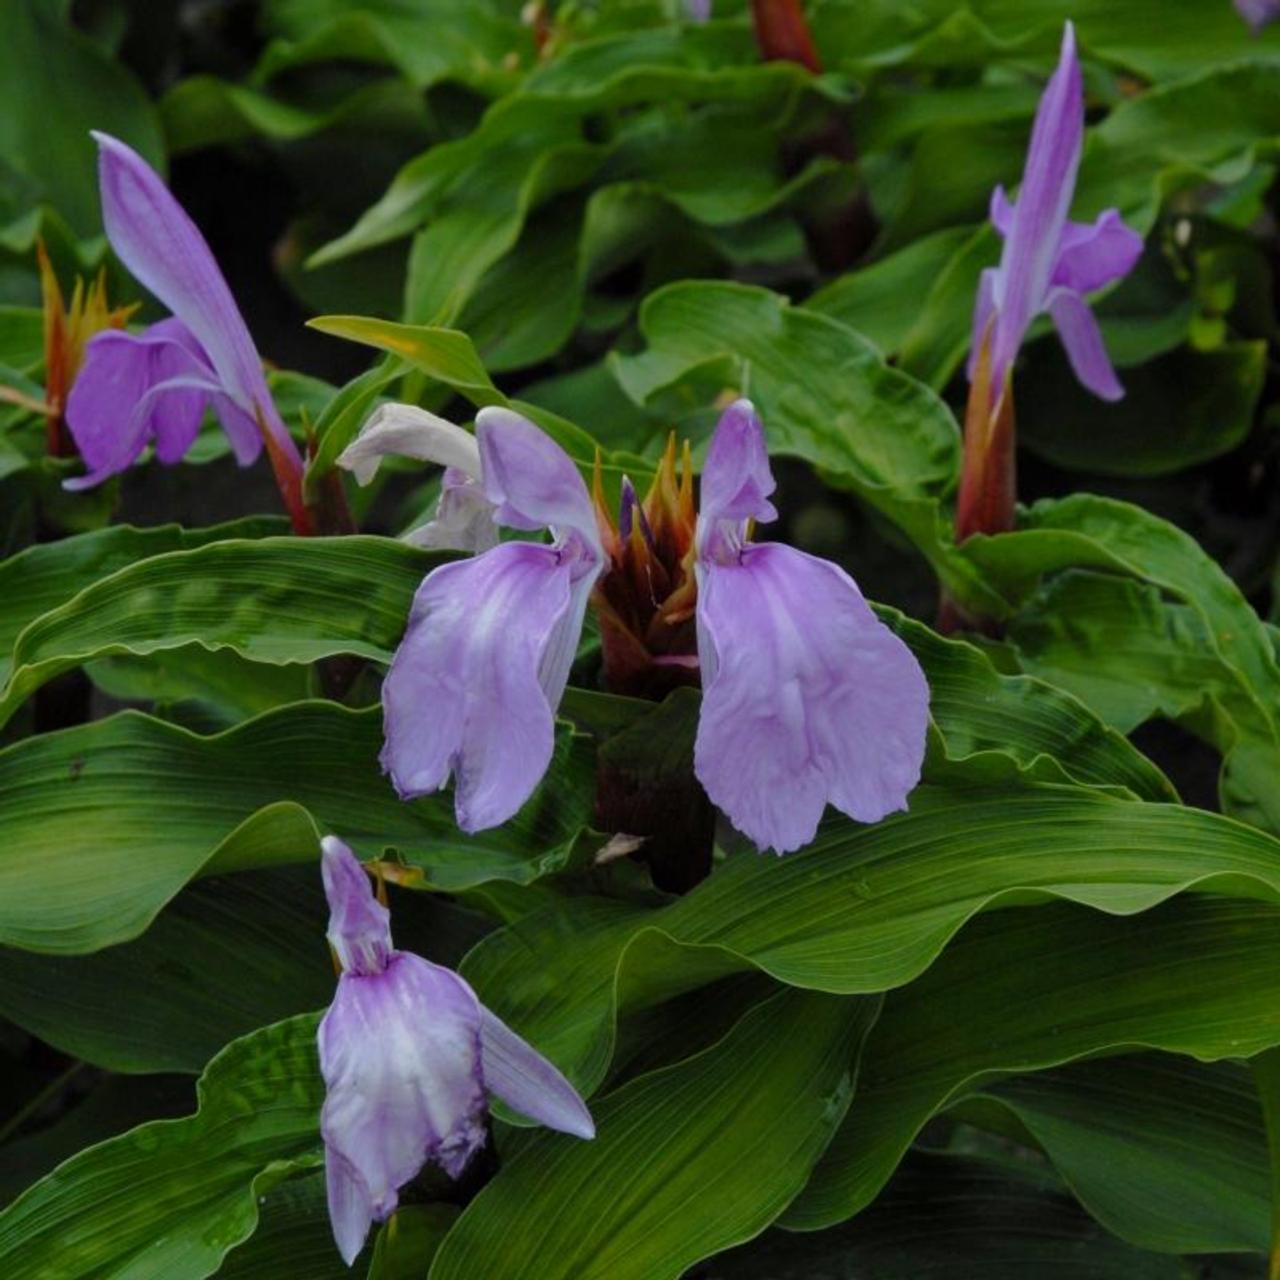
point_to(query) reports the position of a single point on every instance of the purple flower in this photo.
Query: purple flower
(1257, 13)
(408, 1053)
(134, 388)
(808, 698)
(1049, 263)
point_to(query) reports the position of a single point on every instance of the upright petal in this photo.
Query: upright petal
(410, 432)
(1093, 254)
(983, 309)
(807, 698)
(472, 688)
(163, 248)
(1048, 184)
(736, 479)
(1083, 342)
(359, 925)
(1257, 13)
(527, 1082)
(400, 1057)
(531, 480)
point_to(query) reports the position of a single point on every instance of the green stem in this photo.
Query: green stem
(1266, 1076)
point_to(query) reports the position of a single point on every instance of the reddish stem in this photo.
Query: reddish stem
(783, 33)
(287, 466)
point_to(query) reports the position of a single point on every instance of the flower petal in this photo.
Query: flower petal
(473, 686)
(1048, 184)
(736, 479)
(807, 698)
(983, 308)
(410, 432)
(1093, 254)
(531, 480)
(527, 1082)
(1257, 13)
(1083, 342)
(359, 925)
(400, 1056)
(350, 1210)
(164, 250)
(1001, 210)
(463, 519)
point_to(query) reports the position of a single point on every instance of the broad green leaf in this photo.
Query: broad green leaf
(864, 909)
(59, 85)
(1178, 410)
(946, 1215)
(129, 809)
(227, 955)
(1166, 1152)
(747, 1117)
(293, 1237)
(408, 1241)
(49, 574)
(172, 1198)
(275, 600)
(1024, 990)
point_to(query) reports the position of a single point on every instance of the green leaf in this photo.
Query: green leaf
(293, 1237)
(863, 909)
(1024, 990)
(1166, 1152)
(49, 574)
(274, 600)
(59, 85)
(171, 1198)
(409, 1241)
(227, 955)
(946, 1215)
(747, 1117)
(1178, 410)
(105, 822)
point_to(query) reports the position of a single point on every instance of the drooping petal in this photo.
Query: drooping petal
(807, 698)
(530, 479)
(736, 478)
(983, 309)
(359, 925)
(400, 1057)
(164, 250)
(1048, 184)
(463, 519)
(473, 686)
(527, 1082)
(350, 1207)
(1083, 342)
(1093, 254)
(410, 432)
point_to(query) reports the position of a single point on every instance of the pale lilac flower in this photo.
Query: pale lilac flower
(408, 1053)
(808, 698)
(1049, 262)
(463, 518)
(698, 10)
(135, 388)
(1257, 13)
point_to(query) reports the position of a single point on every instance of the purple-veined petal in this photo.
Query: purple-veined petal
(1257, 13)
(350, 1207)
(530, 479)
(527, 1082)
(984, 307)
(1048, 184)
(463, 519)
(474, 684)
(242, 430)
(698, 10)
(736, 479)
(1083, 342)
(163, 249)
(410, 432)
(400, 1057)
(1093, 254)
(807, 698)
(359, 925)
